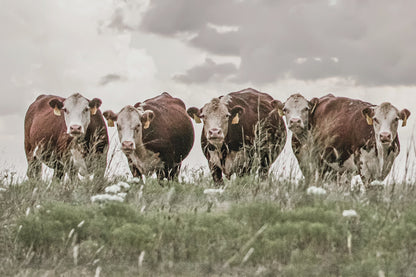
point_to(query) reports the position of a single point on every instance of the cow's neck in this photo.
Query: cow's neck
(386, 155)
(145, 160)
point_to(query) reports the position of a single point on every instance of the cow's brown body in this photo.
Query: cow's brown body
(156, 135)
(47, 141)
(343, 141)
(170, 134)
(260, 135)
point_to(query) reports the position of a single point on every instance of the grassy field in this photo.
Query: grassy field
(252, 228)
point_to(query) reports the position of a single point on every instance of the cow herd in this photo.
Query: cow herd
(243, 133)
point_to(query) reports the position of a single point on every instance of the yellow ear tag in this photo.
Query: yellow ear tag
(281, 113)
(369, 120)
(147, 124)
(57, 111)
(93, 110)
(197, 119)
(110, 123)
(404, 121)
(235, 119)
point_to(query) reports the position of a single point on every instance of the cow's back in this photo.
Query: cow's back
(171, 131)
(257, 106)
(42, 126)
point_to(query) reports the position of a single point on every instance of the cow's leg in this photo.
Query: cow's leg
(134, 170)
(173, 172)
(216, 175)
(58, 171)
(34, 169)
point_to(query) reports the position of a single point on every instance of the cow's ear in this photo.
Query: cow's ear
(56, 105)
(277, 105)
(194, 113)
(235, 112)
(146, 118)
(94, 105)
(137, 104)
(312, 104)
(404, 115)
(368, 114)
(111, 118)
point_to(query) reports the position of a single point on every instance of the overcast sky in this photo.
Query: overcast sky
(128, 51)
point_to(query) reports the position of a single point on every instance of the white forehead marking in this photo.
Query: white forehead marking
(296, 101)
(76, 100)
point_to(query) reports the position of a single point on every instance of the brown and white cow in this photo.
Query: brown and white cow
(358, 137)
(68, 135)
(298, 112)
(238, 127)
(156, 135)
(350, 136)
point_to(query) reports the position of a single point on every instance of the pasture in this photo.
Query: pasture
(250, 228)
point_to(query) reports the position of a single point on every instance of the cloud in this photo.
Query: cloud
(207, 71)
(369, 39)
(109, 78)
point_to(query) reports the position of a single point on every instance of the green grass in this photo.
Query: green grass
(263, 228)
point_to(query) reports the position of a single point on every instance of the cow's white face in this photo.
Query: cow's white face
(216, 117)
(77, 112)
(297, 110)
(130, 124)
(385, 120)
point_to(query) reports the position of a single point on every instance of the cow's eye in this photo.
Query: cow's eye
(305, 109)
(64, 110)
(86, 109)
(138, 127)
(375, 120)
(227, 115)
(396, 119)
(284, 110)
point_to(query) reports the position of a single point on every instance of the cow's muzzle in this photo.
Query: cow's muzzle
(385, 137)
(127, 147)
(215, 136)
(75, 130)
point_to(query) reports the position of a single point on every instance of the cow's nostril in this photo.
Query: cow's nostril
(127, 144)
(385, 136)
(215, 132)
(75, 128)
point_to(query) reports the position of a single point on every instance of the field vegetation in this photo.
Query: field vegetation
(248, 228)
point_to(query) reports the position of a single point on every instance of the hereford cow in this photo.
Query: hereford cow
(356, 136)
(239, 127)
(156, 135)
(68, 135)
(298, 112)
(351, 136)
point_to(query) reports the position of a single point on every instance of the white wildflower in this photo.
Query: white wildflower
(213, 191)
(27, 211)
(106, 197)
(316, 190)
(38, 206)
(122, 194)
(2, 189)
(112, 189)
(80, 224)
(134, 180)
(349, 213)
(123, 185)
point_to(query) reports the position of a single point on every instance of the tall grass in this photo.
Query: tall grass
(254, 227)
